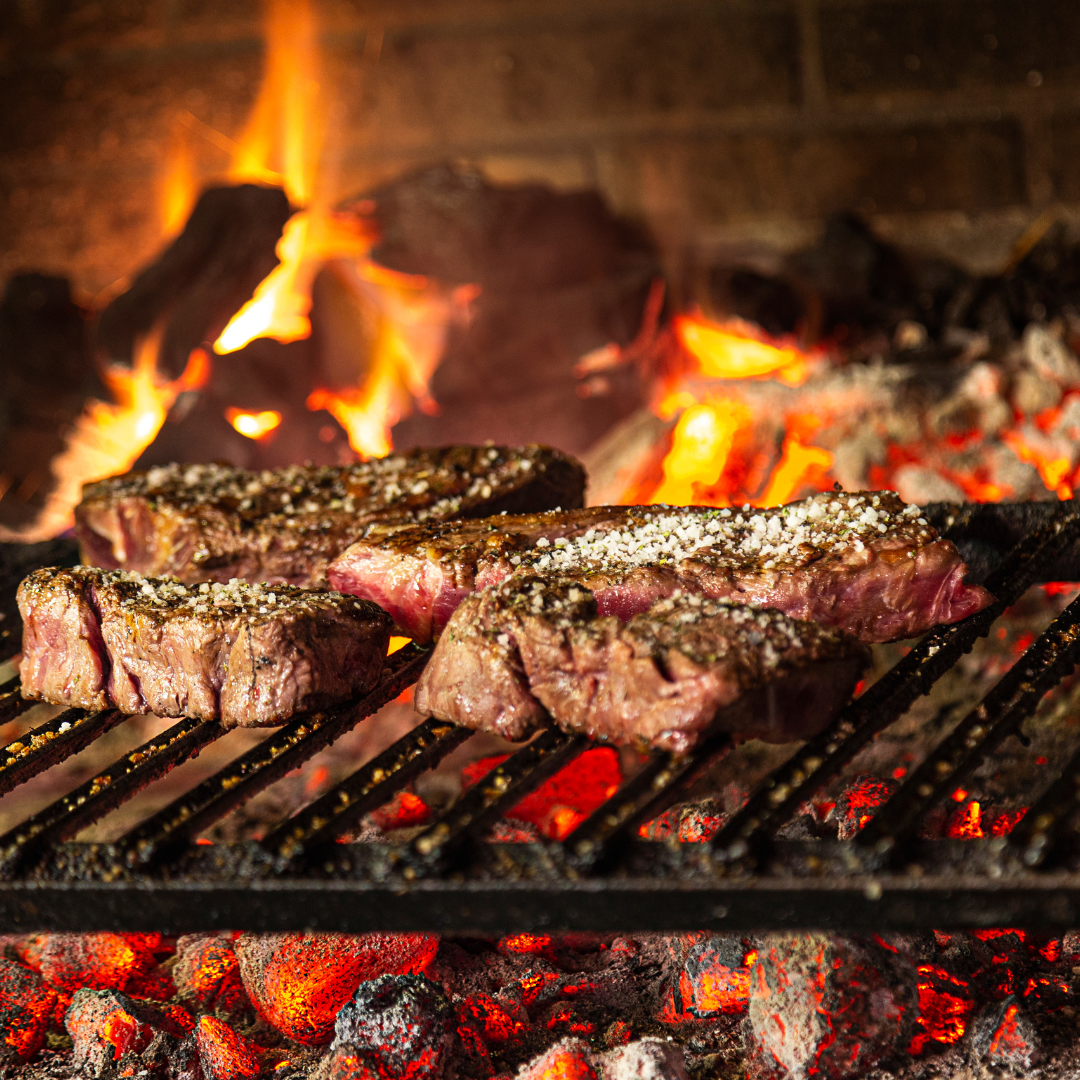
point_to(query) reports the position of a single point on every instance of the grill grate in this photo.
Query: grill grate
(602, 876)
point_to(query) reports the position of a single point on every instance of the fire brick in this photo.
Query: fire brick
(403, 1024)
(26, 1006)
(828, 1006)
(299, 982)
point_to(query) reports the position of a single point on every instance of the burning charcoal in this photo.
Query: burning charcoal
(299, 982)
(646, 1059)
(860, 801)
(1003, 1034)
(26, 1006)
(568, 1059)
(1050, 358)
(106, 1025)
(224, 1055)
(207, 973)
(833, 1004)
(715, 978)
(404, 1023)
(945, 1005)
(103, 961)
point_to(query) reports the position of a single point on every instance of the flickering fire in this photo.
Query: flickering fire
(717, 456)
(255, 425)
(287, 133)
(736, 349)
(109, 436)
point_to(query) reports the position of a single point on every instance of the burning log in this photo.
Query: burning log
(299, 982)
(828, 1005)
(560, 276)
(26, 1008)
(202, 278)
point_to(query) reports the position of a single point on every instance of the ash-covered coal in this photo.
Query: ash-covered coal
(572, 1006)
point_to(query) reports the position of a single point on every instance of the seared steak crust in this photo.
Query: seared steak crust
(864, 562)
(247, 655)
(534, 646)
(214, 522)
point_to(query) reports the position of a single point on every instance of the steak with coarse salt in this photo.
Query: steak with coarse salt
(214, 522)
(247, 655)
(866, 562)
(535, 649)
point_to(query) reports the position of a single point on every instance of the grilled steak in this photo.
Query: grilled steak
(247, 655)
(865, 562)
(534, 646)
(214, 522)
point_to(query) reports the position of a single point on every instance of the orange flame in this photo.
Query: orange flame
(108, 437)
(705, 464)
(178, 186)
(736, 350)
(255, 425)
(701, 443)
(287, 134)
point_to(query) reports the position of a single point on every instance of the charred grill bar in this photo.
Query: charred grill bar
(602, 876)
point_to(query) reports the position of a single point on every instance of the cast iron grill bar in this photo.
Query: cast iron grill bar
(821, 758)
(12, 703)
(369, 787)
(42, 747)
(1044, 664)
(289, 747)
(125, 778)
(495, 793)
(1044, 829)
(594, 843)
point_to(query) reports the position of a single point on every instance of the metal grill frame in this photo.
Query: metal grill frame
(601, 877)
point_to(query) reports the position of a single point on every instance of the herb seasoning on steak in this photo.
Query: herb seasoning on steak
(214, 522)
(247, 655)
(866, 562)
(532, 647)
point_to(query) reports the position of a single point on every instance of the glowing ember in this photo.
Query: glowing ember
(255, 425)
(560, 804)
(299, 982)
(945, 1006)
(967, 824)
(223, 1054)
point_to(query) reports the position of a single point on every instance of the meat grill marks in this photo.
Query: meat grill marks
(214, 523)
(865, 562)
(533, 646)
(247, 655)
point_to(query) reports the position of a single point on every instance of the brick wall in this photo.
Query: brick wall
(951, 123)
